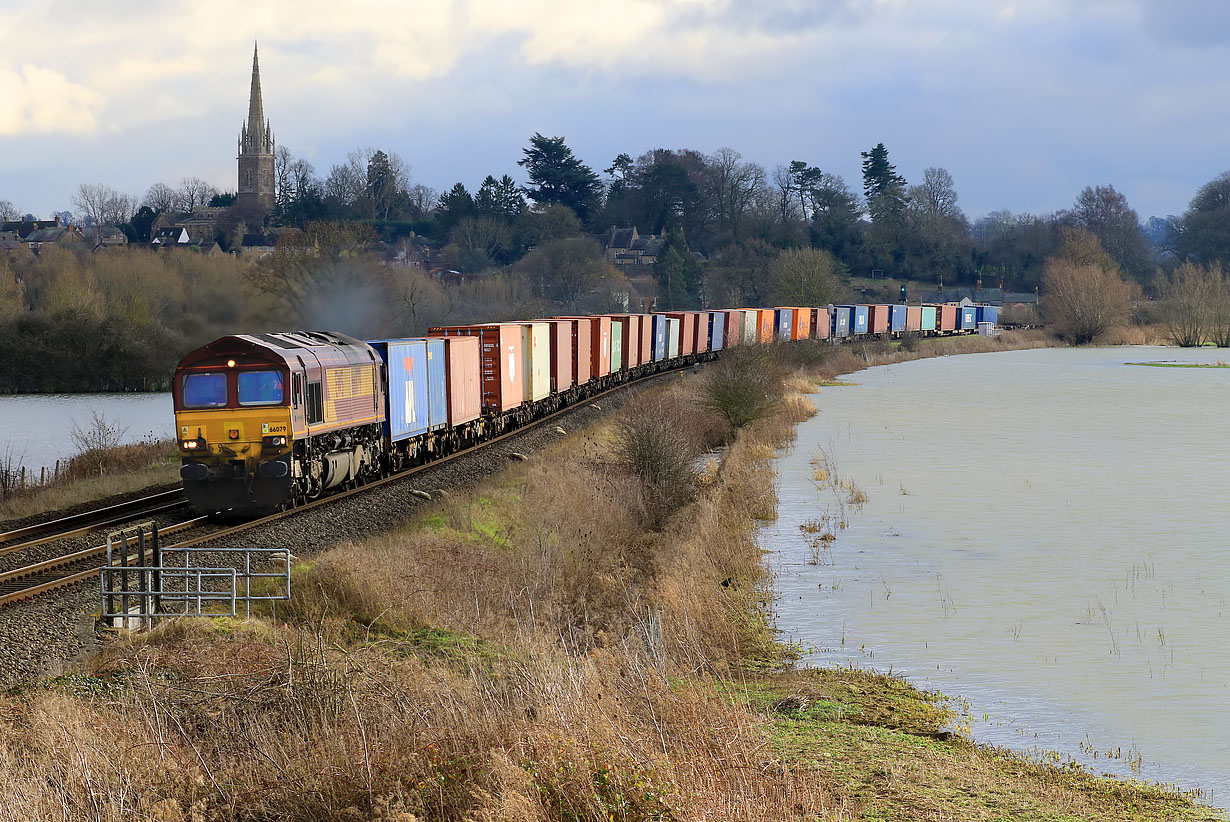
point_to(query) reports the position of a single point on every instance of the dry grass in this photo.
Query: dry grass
(529, 651)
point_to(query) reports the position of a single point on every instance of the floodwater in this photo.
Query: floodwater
(1045, 535)
(36, 429)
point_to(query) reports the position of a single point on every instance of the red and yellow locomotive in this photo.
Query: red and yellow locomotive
(264, 420)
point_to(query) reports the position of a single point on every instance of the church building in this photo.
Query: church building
(255, 151)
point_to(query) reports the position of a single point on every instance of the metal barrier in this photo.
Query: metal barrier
(150, 589)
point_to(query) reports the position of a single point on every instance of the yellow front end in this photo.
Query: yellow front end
(236, 458)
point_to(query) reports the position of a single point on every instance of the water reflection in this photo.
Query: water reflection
(1043, 534)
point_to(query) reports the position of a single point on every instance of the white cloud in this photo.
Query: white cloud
(37, 100)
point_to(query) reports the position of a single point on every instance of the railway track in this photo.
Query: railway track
(88, 522)
(72, 568)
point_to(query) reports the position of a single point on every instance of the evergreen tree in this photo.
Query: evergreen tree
(499, 199)
(556, 176)
(677, 274)
(455, 205)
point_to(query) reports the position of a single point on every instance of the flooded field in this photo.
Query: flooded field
(1044, 533)
(36, 429)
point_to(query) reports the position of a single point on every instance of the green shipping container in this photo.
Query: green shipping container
(928, 318)
(617, 346)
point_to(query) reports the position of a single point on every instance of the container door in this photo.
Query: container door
(437, 384)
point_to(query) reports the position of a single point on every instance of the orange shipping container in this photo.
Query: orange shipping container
(800, 324)
(947, 318)
(766, 324)
(646, 347)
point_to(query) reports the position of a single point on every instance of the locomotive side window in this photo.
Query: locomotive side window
(260, 388)
(204, 391)
(315, 403)
(297, 390)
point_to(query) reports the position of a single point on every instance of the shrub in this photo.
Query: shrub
(744, 386)
(654, 442)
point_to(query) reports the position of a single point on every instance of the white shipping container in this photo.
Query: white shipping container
(672, 338)
(536, 345)
(751, 326)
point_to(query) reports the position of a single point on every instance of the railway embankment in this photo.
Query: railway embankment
(586, 634)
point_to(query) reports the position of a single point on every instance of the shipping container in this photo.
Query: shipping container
(407, 387)
(463, 367)
(661, 333)
(800, 323)
(561, 353)
(988, 314)
(879, 319)
(841, 315)
(820, 320)
(632, 341)
(858, 319)
(782, 324)
(687, 331)
(672, 338)
(617, 346)
(913, 318)
(646, 338)
(503, 365)
(536, 360)
(967, 317)
(928, 318)
(751, 325)
(702, 332)
(897, 318)
(734, 328)
(947, 318)
(599, 345)
(437, 385)
(768, 325)
(717, 330)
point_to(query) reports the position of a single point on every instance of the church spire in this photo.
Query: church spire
(256, 138)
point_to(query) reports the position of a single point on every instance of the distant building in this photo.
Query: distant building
(256, 151)
(625, 247)
(171, 235)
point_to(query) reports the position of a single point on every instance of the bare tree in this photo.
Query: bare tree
(1084, 297)
(566, 269)
(195, 192)
(8, 211)
(421, 200)
(282, 185)
(1187, 293)
(805, 276)
(103, 206)
(161, 197)
(733, 186)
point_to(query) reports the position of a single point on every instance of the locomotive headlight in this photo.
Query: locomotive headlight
(230, 363)
(274, 442)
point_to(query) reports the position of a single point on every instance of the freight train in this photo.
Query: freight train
(270, 421)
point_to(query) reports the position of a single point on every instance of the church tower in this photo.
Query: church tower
(256, 150)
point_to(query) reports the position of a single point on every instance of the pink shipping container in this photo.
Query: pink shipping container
(462, 366)
(599, 344)
(499, 346)
(582, 367)
(625, 353)
(913, 318)
(702, 332)
(687, 331)
(561, 354)
(820, 323)
(645, 351)
(879, 319)
(947, 318)
(734, 328)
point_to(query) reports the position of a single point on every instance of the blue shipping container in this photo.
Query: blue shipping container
(406, 386)
(840, 322)
(437, 384)
(988, 314)
(967, 317)
(858, 318)
(781, 324)
(897, 318)
(717, 330)
(659, 337)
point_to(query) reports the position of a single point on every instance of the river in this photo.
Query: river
(1044, 534)
(36, 429)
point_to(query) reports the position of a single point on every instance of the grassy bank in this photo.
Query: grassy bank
(586, 636)
(92, 475)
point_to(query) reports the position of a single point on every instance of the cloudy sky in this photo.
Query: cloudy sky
(1025, 102)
